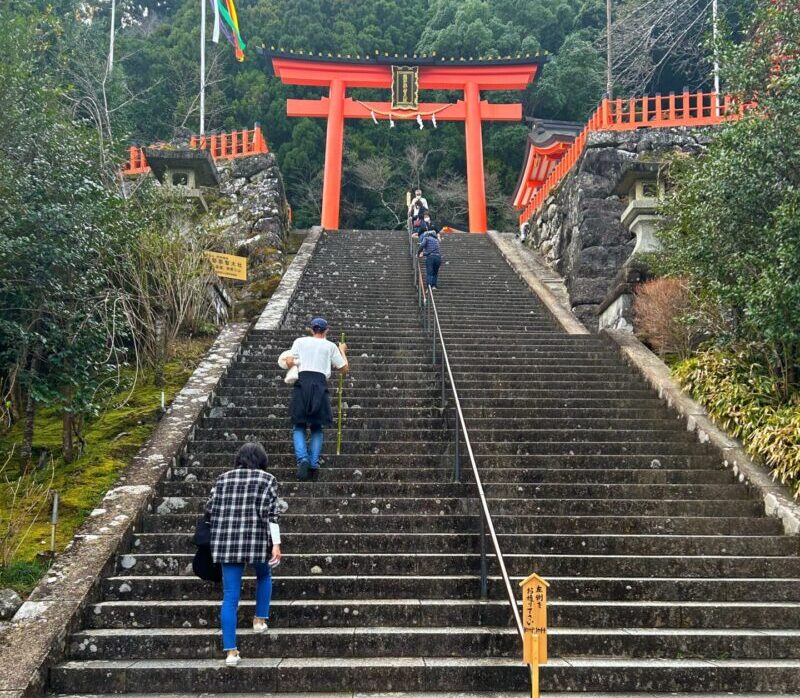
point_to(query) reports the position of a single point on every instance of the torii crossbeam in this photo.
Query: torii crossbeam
(338, 74)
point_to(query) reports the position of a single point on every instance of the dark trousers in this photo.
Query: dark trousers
(432, 264)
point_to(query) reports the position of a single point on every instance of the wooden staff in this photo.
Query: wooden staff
(339, 427)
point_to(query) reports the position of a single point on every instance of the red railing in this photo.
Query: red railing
(222, 146)
(686, 109)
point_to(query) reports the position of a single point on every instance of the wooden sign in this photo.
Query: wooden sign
(228, 265)
(405, 87)
(534, 624)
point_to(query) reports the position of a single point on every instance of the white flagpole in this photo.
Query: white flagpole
(202, 67)
(715, 11)
(111, 41)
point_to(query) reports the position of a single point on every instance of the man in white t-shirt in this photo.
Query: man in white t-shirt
(310, 406)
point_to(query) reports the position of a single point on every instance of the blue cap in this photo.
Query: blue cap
(320, 324)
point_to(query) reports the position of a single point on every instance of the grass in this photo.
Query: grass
(22, 577)
(129, 416)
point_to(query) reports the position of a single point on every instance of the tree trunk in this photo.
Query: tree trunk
(67, 450)
(27, 437)
(67, 428)
(30, 415)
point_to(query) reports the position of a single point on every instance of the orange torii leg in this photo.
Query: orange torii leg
(334, 145)
(476, 186)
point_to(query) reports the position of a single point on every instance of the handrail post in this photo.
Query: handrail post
(444, 396)
(484, 563)
(457, 461)
(433, 337)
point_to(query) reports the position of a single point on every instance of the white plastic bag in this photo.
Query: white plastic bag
(293, 373)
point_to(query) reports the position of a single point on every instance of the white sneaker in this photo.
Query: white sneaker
(260, 628)
(233, 659)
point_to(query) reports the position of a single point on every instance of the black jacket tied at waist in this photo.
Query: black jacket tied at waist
(311, 403)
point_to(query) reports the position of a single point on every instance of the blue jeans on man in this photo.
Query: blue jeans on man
(432, 264)
(309, 452)
(232, 573)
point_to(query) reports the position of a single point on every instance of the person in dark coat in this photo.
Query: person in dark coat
(310, 407)
(426, 226)
(430, 248)
(243, 511)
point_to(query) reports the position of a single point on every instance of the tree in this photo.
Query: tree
(61, 226)
(662, 44)
(572, 84)
(735, 211)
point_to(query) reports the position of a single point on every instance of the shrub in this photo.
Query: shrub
(734, 213)
(660, 310)
(746, 399)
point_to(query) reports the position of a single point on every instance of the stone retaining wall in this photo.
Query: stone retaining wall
(578, 230)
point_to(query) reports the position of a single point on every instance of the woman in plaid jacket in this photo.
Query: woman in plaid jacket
(243, 510)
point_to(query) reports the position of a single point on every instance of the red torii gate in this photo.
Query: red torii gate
(468, 76)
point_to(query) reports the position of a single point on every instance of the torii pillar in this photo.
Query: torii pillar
(469, 77)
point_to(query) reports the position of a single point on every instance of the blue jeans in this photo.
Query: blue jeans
(432, 264)
(232, 590)
(301, 450)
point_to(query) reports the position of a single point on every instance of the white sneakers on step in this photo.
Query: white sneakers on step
(259, 628)
(233, 659)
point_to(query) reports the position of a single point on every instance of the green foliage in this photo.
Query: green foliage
(572, 83)
(62, 226)
(735, 211)
(128, 414)
(744, 397)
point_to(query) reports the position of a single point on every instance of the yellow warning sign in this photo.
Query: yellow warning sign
(534, 622)
(228, 265)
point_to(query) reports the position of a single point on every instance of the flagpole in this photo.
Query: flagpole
(202, 67)
(111, 41)
(715, 19)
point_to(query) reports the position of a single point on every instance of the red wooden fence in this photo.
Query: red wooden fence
(222, 146)
(659, 111)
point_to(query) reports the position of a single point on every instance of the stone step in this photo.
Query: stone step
(383, 493)
(595, 544)
(368, 420)
(460, 694)
(509, 467)
(185, 484)
(497, 405)
(548, 565)
(710, 523)
(489, 449)
(441, 506)
(271, 675)
(342, 596)
(354, 434)
(398, 641)
(415, 371)
(639, 603)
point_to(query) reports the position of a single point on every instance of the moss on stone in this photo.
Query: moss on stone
(112, 439)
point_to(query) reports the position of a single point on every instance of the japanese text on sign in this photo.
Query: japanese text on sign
(228, 265)
(405, 87)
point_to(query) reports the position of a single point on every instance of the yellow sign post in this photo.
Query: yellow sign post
(534, 623)
(228, 265)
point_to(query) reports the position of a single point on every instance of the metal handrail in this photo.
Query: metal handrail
(461, 425)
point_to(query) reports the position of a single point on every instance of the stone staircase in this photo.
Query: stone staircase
(665, 577)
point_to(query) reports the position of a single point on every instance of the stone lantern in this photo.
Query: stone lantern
(641, 186)
(185, 170)
(639, 183)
